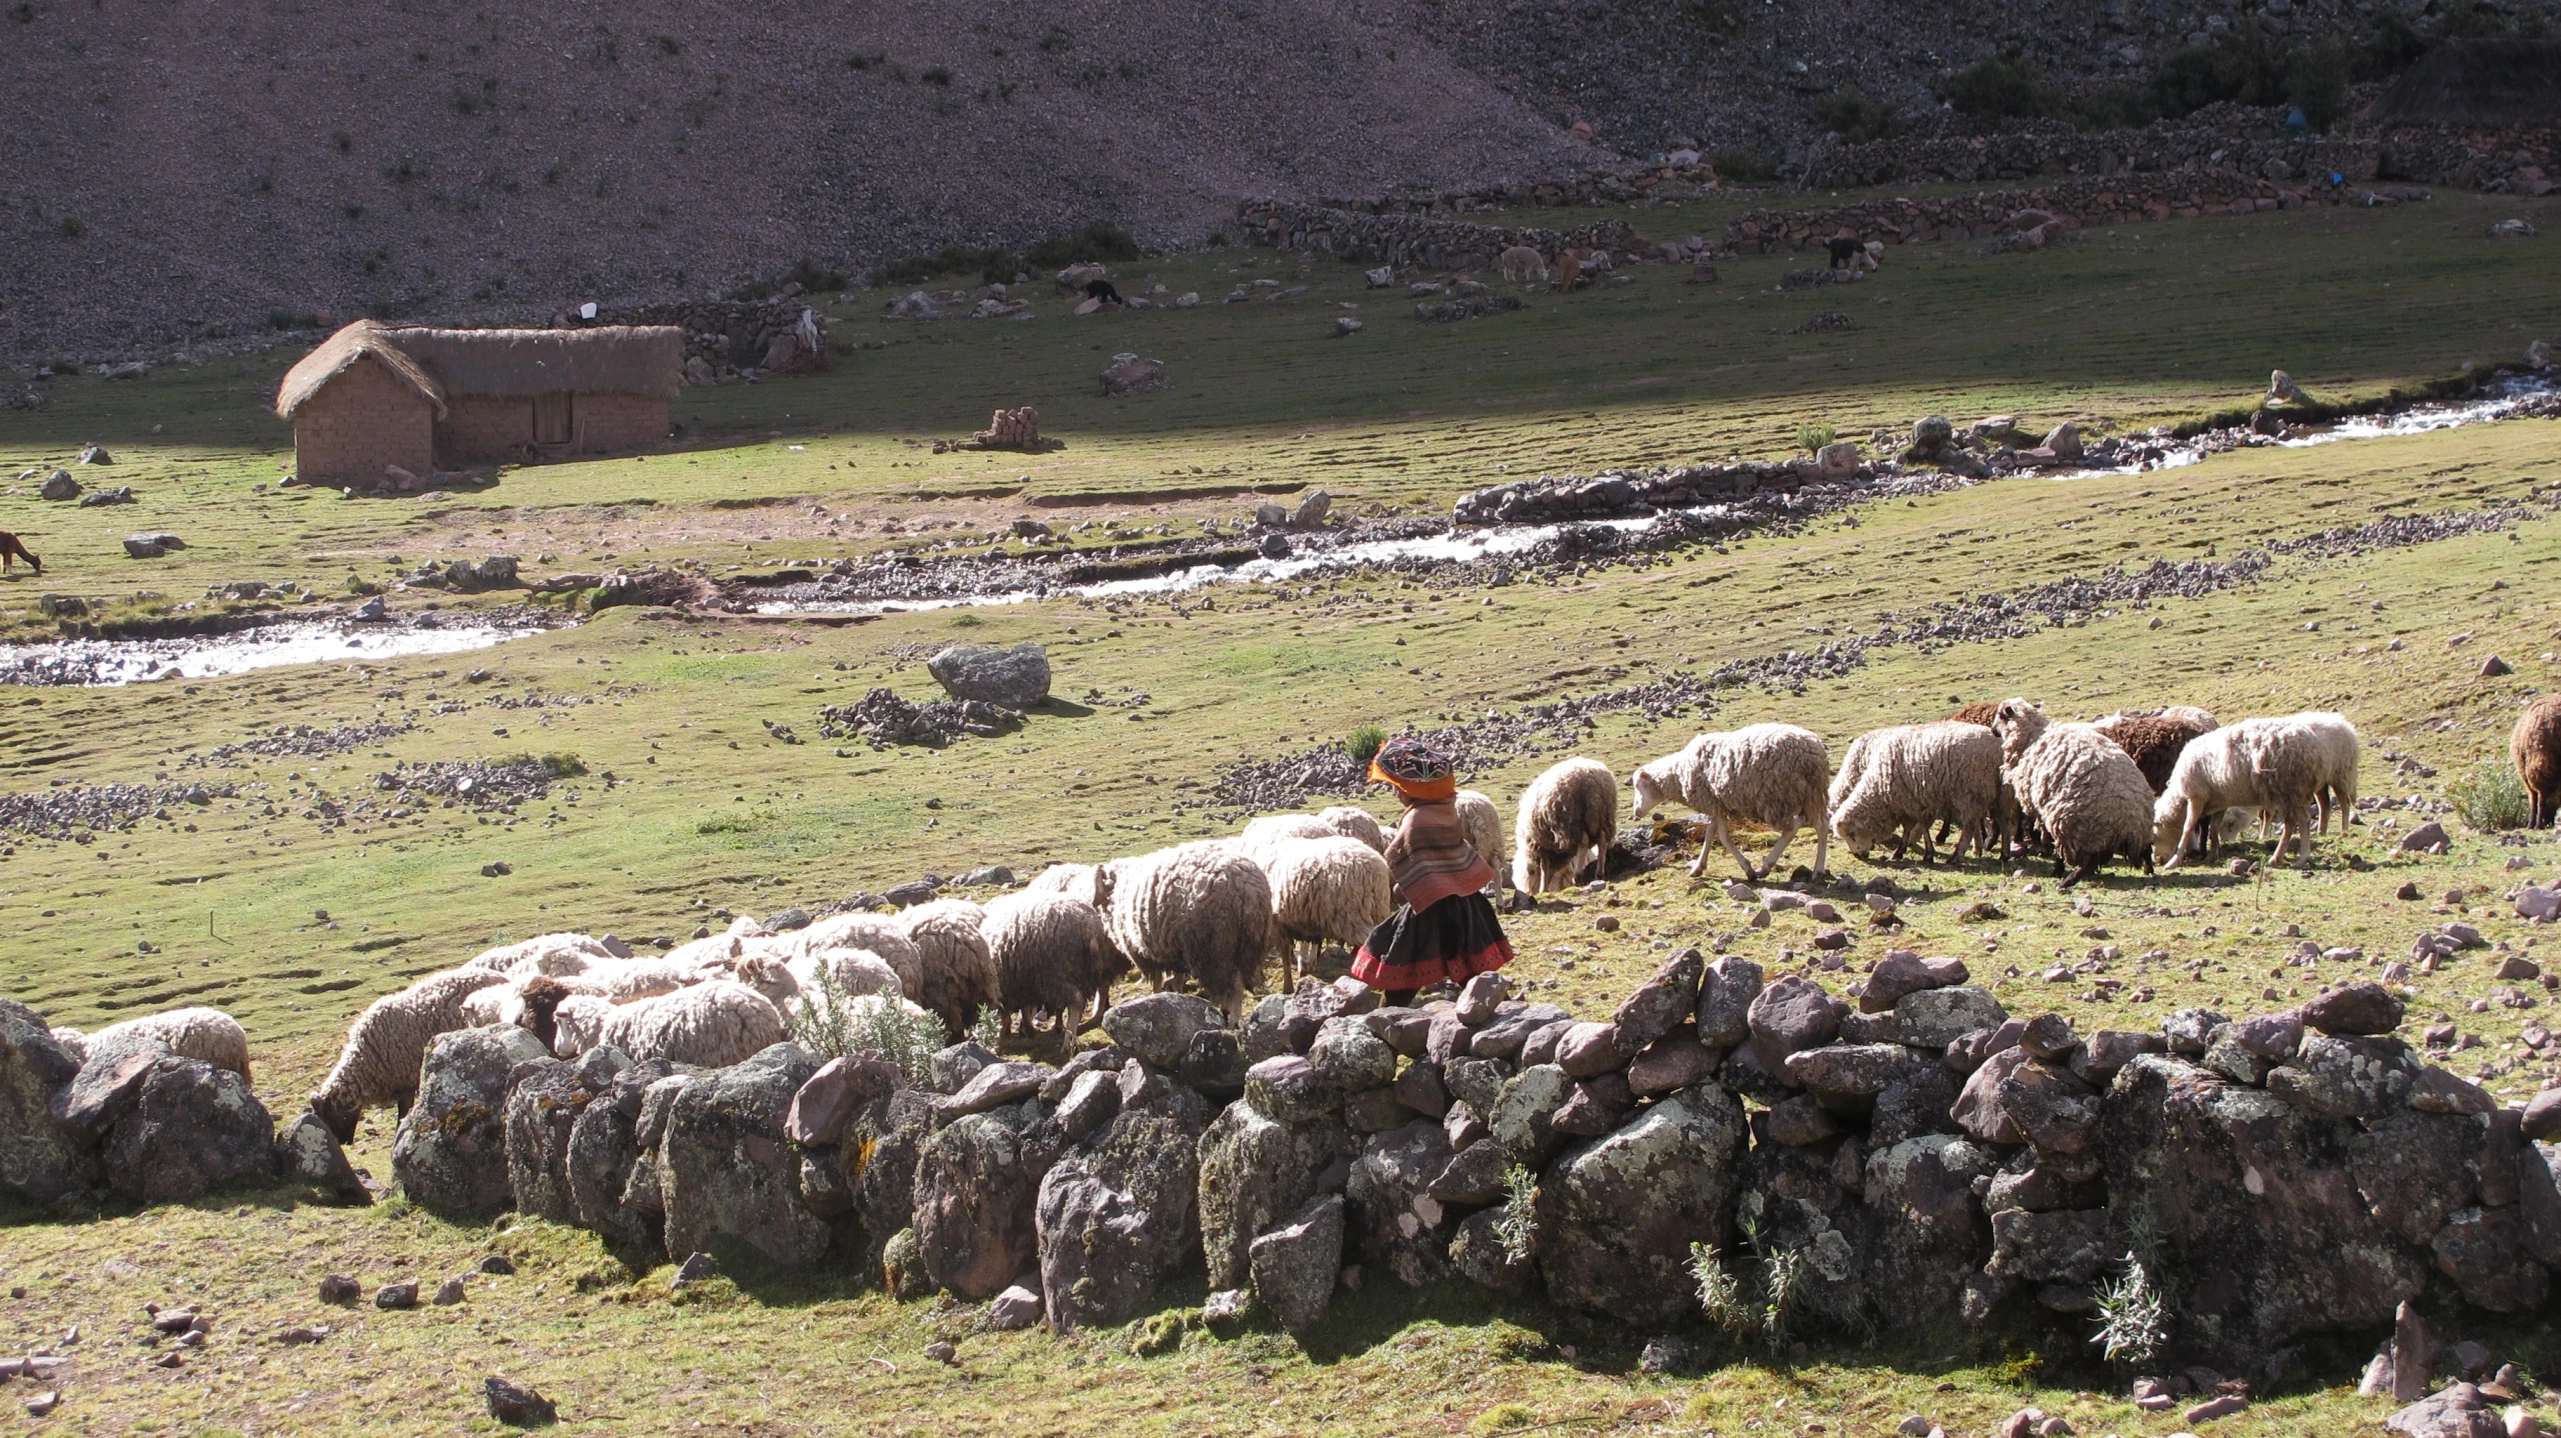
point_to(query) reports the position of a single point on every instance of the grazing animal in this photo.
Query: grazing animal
(2153, 741)
(1769, 774)
(1051, 955)
(2535, 745)
(2080, 785)
(1354, 823)
(1484, 825)
(1845, 252)
(1521, 264)
(712, 1025)
(1325, 891)
(1568, 816)
(1978, 712)
(955, 976)
(387, 1043)
(13, 549)
(208, 1035)
(1102, 290)
(1569, 269)
(1198, 911)
(1894, 783)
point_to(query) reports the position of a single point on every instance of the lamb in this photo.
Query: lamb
(553, 954)
(207, 1035)
(1898, 781)
(1199, 911)
(712, 1024)
(1051, 953)
(2080, 785)
(2535, 748)
(1521, 264)
(2153, 741)
(770, 975)
(387, 1043)
(1568, 816)
(2295, 766)
(1484, 824)
(1354, 823)
(1326, 890)
(956, 976)
(1769, 774)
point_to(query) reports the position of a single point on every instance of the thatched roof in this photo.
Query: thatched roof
(608, 359)
(361, 340)
(2476, 82)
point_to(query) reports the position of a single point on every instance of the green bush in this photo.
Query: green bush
(2490, 798)
(1098, 240)
(2316, 81)
(1364, 743)
(2004, 87)
(1812, 437)
(1743, 167)
(1855, 117)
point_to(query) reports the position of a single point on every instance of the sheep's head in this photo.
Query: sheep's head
(766, 975)
(1652, 783)
(541, 995)
(2169, 821)
(337, 1110)
(2019, 724)
(1106, 880)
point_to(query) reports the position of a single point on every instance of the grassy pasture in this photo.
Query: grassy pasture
(707, 811)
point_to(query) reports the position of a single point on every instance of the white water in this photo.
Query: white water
(2418, 419)
(111, 662)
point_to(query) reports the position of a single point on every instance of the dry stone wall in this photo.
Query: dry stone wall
(1408, 239)
(2079, 203)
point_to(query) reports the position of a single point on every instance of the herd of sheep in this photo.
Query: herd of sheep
(1212, 915)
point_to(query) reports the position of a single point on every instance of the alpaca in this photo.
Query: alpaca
(13, 549)
(1521, 264)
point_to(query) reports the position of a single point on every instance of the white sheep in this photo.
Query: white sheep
(712, 1025)
(1326, 891)
(387, 1043)
(1051, 953)
(616, 981)
(1269, 832)
(1354, 823)
(956, 976)
(1200, 911)
(883, 935)
(1076, 881)
(207, 1035)
(73, 1040)
(769, 974)
(1767, 774)
(1568, 816)
(2289, 766)
(1899, 781)
(1483, 821)
(2080, 784)
(555, 954)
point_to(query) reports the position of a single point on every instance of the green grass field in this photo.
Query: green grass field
(707, 813)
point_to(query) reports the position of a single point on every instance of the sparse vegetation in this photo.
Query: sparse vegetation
(1518, 1227)
(2002, 87)
(1812, 437)
(1364, 743)
(1849, 113)
(1743, 167)
(2134, 1319)
(1096, 240)
(2489, 798)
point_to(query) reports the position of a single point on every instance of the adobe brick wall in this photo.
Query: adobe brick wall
(360, 422)
(484, 429)
(606, 423)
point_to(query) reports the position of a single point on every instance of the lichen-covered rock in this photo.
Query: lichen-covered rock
(2539, 1206)
(2484, 1251)
(192, 1128)
(1788, 1017)
(1616, 1215)
(1213, 1066)
(1296, 1265)
(1921, 1100)
(2052, 1108)
(725, 1170)
(1523, 1119)
(881, 1145)
(902, 1266)
(2415, 1170)
(2346, 1077)
(604, 1147)
(1978, 1105)
(1347, 1057)
(1256, 1171)
(952, 1068)
(1902, 972)
(1929, 1232)
(39, 1160)
(1395, 1223)
(1290, 1089)
(1114, 1217)
(308, 1153)
(1667, 999)
(450, 1152)
(2261, 1225)
(542, 1112)
(977, 1186)
(1159, 1027)
(1726, 990)
(1473, 1176)
(1935, 1018)
(2058, 1246)
(1846, 1078)
(2227, 1055)
(1479, 1255)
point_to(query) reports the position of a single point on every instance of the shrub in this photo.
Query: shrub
(1096, 240)
(1856, 117)
(1762, 1305)
(966, 620)
(1743, 167)
(831, 1025)
(2490, 798)
(1364, 743)
(2316, 82)
(2134, 1317)
(1518, 1227)
(1812, 437)
(988, 1030)
(2003, 87)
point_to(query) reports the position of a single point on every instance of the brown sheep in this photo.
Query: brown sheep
(2535, 745)
(1978, 712)
(2153, 741)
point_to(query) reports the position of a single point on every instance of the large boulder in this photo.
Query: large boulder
(39, 1159)
(450, 1152)
(2256, 1206)
(1617, 1215)
(1930, 1232)
(1398, 1225)
(1159, 1027)
(2416, 1170)
(192, 1128)
(2072, 1246)
(1016, 678)
(726, 1173)
(2484, 1251)
(542, 1110)
(1113, 1217)
(1295, 1266)
(977, 1187)
(603, 1147)
(1523, 1116)
(2341, 1076)
(1935, 1018)
(892, 1131)
(1256, 1171)
(1846, 1078)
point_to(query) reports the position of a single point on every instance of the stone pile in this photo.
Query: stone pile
(884, 718)
(2082, 203)
(1400, 239)
(1622, 494)
(727, 339)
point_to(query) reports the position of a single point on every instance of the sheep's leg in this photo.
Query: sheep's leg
(1786, 837)
(1715, 835)
(1725, 837)
(2083, 872)
(1822, 850)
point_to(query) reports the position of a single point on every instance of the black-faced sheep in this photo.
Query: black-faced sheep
(207, 1035)
(1051, 955)
(956, 975)
(1200, 911)
(1568, 816)
(387, 1043)
(1768, 774)
(1895, 783)
(2080, 785)
(1324, 891)
(2535, 747)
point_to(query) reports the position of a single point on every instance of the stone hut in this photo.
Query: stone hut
(372, 398)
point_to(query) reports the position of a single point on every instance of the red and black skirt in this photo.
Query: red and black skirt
(1450, 941)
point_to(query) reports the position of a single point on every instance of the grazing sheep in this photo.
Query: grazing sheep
(387, 1043)
(2296, 767)
(1484, 825)
(2337, 752)
(208, 1035)
(558, 955)
(1568, 816)
(1267, 833)
(1895, 783)
(713, 1024)
(1326, 890)
(1051, 953)
(2080, 785)
(2153, 741)
(1199, 911)
(1768, 774)
(2535, 747)
(1074, 880)
(1978, 712)
(528, 1001)
(882, 934)
(769, 974)
(2214, 775)
(1521, 264)
(1354, 823)
(956, 976)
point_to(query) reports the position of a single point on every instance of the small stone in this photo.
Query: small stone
(515, 1406)
(698, 1268)
(942, 1352)
(448, 1293)
(339, 1288)
(396, 1296)
(1016, 1308)
(1662, 1355)
(2213, 1408)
